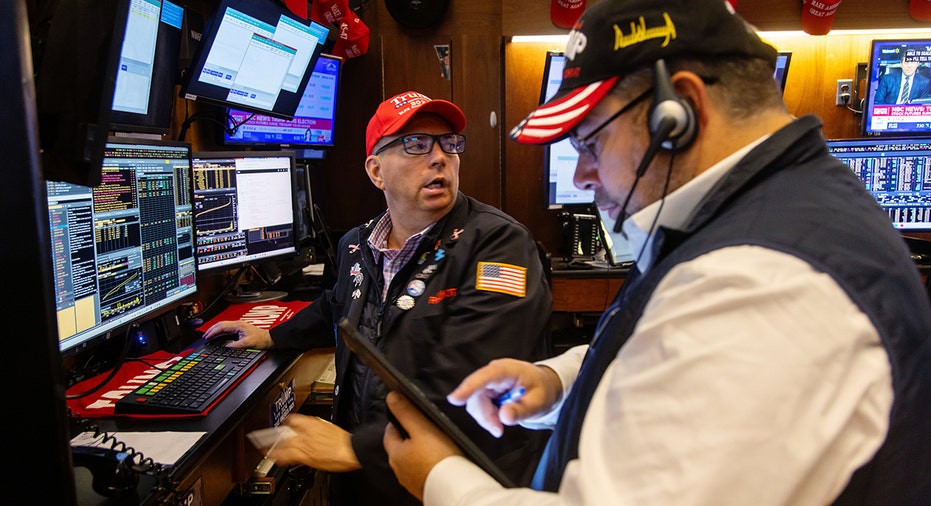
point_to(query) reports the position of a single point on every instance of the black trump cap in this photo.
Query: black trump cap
(616, 37)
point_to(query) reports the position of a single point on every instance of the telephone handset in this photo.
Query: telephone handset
(112, 470)
(116, 467)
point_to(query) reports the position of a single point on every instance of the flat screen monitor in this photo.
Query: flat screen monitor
(244, 207)
(313, 123)
(896, 171)
(76, 51)
(781, 74)
(889, 109)
(560, 158)
(123, 251)
(255, 55)
(144, 95)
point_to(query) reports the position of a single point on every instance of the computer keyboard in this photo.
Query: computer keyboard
(194, 384)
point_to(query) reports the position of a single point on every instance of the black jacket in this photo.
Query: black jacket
(436, 327)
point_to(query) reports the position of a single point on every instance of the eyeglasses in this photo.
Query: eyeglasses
(586, 148)
(421, 144)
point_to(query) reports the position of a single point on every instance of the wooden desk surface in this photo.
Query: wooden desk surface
(585, 290)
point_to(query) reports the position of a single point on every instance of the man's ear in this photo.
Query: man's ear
(373, 169)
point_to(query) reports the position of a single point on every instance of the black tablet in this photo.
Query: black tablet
(376, 361)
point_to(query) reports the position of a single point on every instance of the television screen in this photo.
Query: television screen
(255, 55)
(244, 207)
(76, 51)
(145, 80)
(313, 123)
(123, 251)
(898, 98)
(896, 171)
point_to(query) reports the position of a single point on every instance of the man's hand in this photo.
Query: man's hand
(413, 458)
(478, 391)
(246, 334)
(316, 443)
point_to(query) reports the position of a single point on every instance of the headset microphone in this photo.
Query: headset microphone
(656, 141)
(672, 125)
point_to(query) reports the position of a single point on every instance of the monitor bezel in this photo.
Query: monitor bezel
(873, 67)
(162, 83)
(890, 140)
(163, 307)
(552, 152)
(244, 262)
(228, 140)
(287, 102)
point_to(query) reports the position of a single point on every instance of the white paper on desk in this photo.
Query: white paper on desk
(313, 270)
(162, 447)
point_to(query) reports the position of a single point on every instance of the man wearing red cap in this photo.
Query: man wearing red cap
(770, 347)
(440, 282)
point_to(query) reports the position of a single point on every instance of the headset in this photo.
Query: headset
(672, 124)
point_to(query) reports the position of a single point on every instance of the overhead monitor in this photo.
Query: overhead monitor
(244, 207)
(144, 94)
(76, 52)
(897, 172)
(123, 251)
(898, 99)
(255, 55)
(313, 124)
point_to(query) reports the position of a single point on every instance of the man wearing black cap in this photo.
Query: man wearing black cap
(771, 345)
(440, 282)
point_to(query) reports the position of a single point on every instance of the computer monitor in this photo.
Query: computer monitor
(560, 157)
(255, 55)
(144, 95)
(885, 111)
(313, 124)
(123, 251)
(897, 172)
(76, 52)
(244, 208)
(781, 74)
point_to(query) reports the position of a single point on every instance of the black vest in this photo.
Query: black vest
(766, 200)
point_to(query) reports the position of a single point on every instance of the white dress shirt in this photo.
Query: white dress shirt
(751, 378)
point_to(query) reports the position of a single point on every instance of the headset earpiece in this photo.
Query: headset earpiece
(671, 116)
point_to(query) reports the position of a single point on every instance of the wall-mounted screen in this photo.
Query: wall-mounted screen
(898, 97)
(244, 207)
(144, 94)
(897, 172)
(313, 123)
(123, 251)
(255, 55)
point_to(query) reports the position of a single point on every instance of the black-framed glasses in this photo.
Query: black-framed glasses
(421, 144)
(586, 148)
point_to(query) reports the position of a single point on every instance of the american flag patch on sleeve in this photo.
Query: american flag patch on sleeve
(503, 278)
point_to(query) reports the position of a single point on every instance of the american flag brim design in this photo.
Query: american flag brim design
(502, 278)
(553, 120)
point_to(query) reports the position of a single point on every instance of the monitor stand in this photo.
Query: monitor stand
(268, 275)
(254, 296)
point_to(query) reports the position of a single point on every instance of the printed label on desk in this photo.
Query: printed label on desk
(283, 405)
(194, 495)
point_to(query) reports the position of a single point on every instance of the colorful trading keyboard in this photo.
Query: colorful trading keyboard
(194, 384)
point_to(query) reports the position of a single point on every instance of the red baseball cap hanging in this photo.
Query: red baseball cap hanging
(352, 34)
(564, 13)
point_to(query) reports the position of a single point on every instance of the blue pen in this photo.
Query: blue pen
(510, 396)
